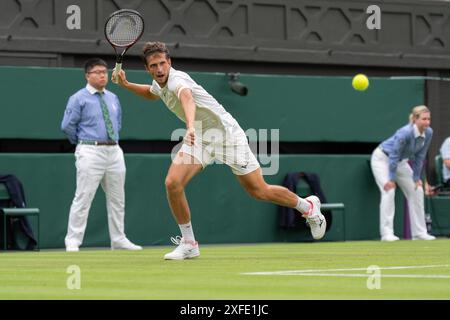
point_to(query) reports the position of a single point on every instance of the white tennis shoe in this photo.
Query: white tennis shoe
(424, 236)
(125, 245)
(185, 250)
(390, 238)
(72, 248)
(315, 218)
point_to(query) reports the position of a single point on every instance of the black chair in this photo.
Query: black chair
(8, 212)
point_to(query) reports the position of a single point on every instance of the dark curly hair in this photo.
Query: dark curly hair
(151, 48)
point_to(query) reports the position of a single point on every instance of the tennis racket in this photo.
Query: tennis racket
(123, 28)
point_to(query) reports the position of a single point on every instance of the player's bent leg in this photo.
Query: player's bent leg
(255, 185)
(183, 168)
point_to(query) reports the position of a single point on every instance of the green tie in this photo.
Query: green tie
(108, 123)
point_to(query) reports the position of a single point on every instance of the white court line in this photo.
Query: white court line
(319, 272)
(365, 275)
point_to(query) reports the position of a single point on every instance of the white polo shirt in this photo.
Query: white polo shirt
(209, 113)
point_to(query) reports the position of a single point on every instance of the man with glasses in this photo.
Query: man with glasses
(92, 121)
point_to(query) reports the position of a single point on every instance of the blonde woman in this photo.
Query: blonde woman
(390, 168)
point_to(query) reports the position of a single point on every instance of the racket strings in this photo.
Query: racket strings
(124, 29)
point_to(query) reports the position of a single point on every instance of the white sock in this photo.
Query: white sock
(186, 231)
(303, 206)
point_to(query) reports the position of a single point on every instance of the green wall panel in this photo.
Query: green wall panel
(304, 108)
(222, 212)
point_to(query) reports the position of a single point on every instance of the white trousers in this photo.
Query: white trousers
(96, 165)
(415, 197)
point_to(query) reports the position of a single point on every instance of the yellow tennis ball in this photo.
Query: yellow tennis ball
(360, 82)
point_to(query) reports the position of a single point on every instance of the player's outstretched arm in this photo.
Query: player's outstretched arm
(188, 104)
(142, 90)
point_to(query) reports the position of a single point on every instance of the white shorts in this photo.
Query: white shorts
(230, 148)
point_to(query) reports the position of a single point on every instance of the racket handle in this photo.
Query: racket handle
(116, 71)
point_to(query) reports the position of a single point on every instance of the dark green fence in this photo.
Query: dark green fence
(222, 211)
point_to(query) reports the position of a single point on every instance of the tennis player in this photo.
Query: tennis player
(212, 134)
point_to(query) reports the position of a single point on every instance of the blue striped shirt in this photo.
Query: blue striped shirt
(83, 118)
(407, 143)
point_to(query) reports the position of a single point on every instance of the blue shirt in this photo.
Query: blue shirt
(83, 118)
(445, 152)
(407, 143)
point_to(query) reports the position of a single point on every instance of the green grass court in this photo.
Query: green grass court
(220, 272)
